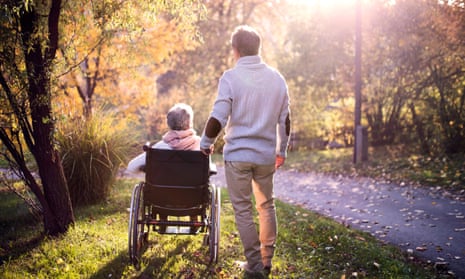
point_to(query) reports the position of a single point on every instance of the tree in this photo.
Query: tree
(415, 75)
(446, 72)
(194, 74)
(113, 51)
(317, 60)
(33, 29)
(84, 50)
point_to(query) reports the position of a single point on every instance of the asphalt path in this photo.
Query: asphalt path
(427, 223)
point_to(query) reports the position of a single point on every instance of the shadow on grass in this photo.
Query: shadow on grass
(20, 232)
(163, 265)
(12, 252)
(159, 265)
(113, 269)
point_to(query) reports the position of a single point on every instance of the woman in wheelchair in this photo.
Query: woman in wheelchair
(176, 186)
(181, 135)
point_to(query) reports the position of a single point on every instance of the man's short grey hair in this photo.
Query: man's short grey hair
(180, 117)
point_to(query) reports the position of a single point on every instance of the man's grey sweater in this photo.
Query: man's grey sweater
(252, 106)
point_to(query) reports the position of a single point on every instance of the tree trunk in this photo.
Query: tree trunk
(60, 216)
(86, 89)
(420, 130)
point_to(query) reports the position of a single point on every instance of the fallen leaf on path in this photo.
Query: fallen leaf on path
(360, 238)
(441, 265)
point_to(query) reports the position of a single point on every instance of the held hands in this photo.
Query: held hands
(279, 161)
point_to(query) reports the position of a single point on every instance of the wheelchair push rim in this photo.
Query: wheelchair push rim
(137, 236)
(214, 225)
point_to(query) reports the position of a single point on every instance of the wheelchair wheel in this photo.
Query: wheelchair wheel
(214, 226)
(137, 236)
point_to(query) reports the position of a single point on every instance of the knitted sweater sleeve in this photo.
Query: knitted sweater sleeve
(221, 110)
(284, 128)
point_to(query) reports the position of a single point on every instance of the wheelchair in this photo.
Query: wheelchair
(175, 198)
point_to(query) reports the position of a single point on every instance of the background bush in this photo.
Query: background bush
(92, 151)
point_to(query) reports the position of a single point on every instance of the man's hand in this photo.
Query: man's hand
(279, 161)
(207, 151)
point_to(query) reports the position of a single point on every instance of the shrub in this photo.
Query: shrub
(92, 151)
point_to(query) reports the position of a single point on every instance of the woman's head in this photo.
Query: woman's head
(246, 40)
(180, 117)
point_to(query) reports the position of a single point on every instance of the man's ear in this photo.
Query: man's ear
(236, 53)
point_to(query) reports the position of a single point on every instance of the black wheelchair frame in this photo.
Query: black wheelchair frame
(175, 198)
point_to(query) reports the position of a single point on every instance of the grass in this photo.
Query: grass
(309, 246)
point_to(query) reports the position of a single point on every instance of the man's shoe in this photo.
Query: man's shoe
(248, 274)
(254, 275)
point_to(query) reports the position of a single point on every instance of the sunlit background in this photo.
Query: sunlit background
(140, 58)
(312, 44)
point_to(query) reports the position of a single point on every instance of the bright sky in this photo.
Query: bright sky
(326, 5)
(331, 3)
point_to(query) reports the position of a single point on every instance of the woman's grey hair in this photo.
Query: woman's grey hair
(180, 117)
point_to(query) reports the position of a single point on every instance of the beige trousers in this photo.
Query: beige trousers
(245, 179)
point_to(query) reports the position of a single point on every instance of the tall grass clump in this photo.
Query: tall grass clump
(92, 151)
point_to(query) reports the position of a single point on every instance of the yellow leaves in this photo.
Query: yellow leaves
(111, 221)
(124, 47)
(62, 264)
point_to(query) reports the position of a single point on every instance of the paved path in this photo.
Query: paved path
(429, 223)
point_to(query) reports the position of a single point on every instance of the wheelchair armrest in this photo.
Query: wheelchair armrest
(213, 169)
(146, 147)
